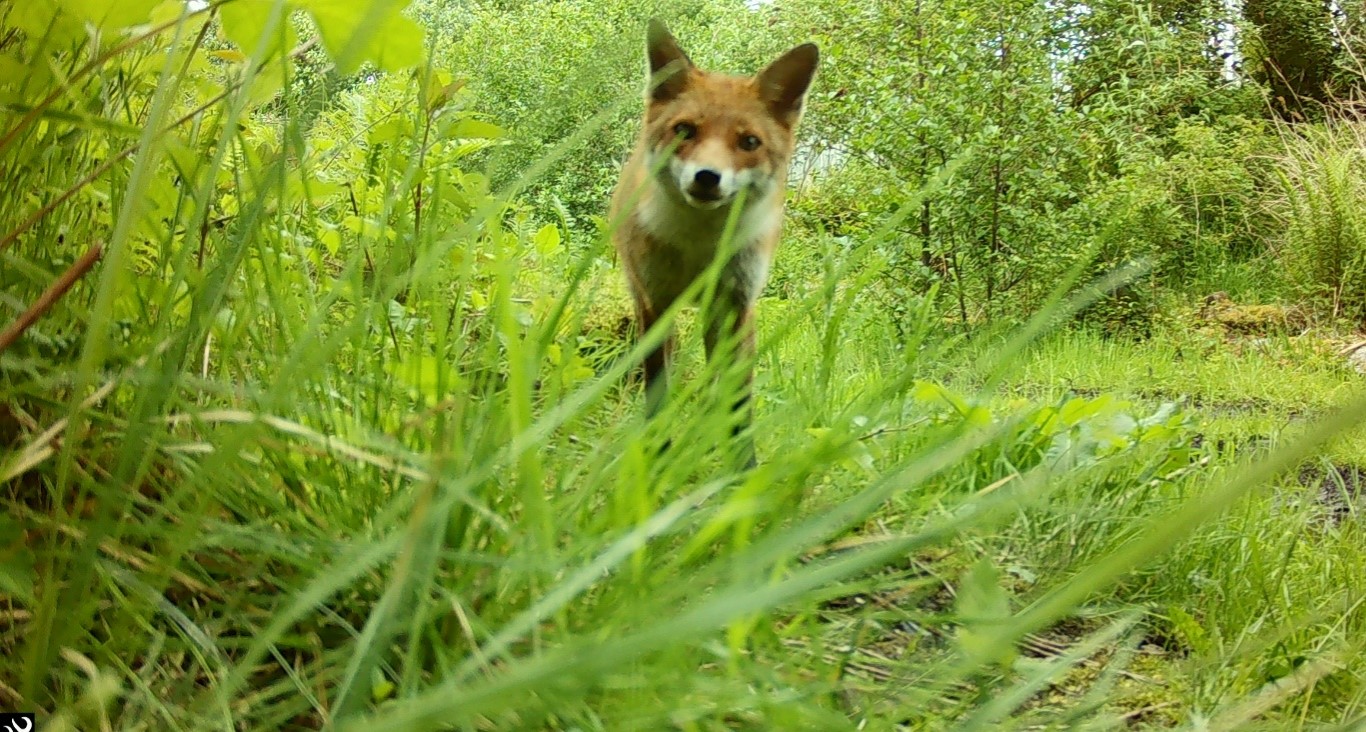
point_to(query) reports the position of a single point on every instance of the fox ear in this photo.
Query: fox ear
(784, 83)
(669, 65)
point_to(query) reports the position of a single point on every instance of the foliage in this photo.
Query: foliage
(1297, 50)
(1095, 167)
(550, 67)
(337, 432)
(1323, 248)
(1189, 209)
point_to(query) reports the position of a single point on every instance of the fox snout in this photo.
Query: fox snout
(711, 181)
(712, 162)
(706, 186)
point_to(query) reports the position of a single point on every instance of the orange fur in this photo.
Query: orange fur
(709, 142)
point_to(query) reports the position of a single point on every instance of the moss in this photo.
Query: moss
(1236, 319)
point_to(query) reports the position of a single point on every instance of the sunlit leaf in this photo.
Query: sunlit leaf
(476, 129)
(381, 688)
(246, 22)
(983, 608)
(110, 14)
(547, 240)
(331, 240)
(356, 31)
(38, 20)
(230, 55)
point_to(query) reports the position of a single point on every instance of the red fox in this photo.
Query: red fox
(709, 142)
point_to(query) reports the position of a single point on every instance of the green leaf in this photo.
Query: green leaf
(440, 89)
(380, 687)
(983, 609)
(423, 375)
(1187, 628)
(547, 240)
(935, 394)
(356, 31)
(169, 10)
(110, 14)
(364, 227)
(245, 23)
(331, 240)
(231, 55)
(474, 129)
(11, 70)
(37, 20)
(388, 131)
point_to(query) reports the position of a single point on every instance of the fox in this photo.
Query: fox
(710, 143)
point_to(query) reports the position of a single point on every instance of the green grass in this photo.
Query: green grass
(292, 458)
(1244, 388)
(1231, 603)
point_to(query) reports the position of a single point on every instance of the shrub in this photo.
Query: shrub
(1323, 249)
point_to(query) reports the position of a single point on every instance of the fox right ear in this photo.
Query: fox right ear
(785, 81)
(669, 65)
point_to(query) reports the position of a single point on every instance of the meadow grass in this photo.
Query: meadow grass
(256, 482)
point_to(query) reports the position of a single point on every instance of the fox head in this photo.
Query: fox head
(721, 134)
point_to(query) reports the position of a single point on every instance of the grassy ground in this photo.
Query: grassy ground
(295, 456)
(329, 523)
(1230, 607)
(1238, 611)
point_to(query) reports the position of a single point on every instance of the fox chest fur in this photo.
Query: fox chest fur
(667, 246)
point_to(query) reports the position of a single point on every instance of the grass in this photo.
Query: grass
(1224, 601)
(290, 458)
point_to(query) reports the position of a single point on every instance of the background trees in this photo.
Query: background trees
(314, 395)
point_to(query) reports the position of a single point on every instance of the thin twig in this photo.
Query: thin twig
(51, 295)
(889, 430)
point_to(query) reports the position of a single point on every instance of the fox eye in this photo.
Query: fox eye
(749, 142)
(685, 130)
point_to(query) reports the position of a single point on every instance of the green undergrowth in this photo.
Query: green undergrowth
(335, 435)
(1249, 389)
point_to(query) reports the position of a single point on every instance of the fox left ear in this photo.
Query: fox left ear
(669, 65)
(784, 83)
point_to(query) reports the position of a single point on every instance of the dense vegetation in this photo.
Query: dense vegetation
(317, 408)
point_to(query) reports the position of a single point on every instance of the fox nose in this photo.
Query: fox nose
(707, 178)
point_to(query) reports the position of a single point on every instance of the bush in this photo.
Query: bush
(1323, 248)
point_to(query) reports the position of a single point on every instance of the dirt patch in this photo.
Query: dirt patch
(1338, 487)
(1355, 354)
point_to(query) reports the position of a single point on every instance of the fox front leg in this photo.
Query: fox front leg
(729, 341)
(656, 364)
